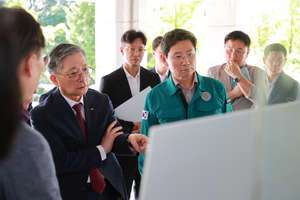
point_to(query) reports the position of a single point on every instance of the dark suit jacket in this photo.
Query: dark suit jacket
(116, 86)
(45, 95)
(153, 70)
(73, 157)
(286, 89)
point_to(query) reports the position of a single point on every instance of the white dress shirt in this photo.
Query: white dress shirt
(270, 85)
(134, 82)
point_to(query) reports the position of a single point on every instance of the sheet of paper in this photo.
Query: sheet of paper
(132, 109)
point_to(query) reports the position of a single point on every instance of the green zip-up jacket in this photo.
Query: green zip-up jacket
(163, 104)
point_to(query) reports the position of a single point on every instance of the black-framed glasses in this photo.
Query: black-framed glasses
(76, 75)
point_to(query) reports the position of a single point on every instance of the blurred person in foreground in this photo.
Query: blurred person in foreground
(82, 130)
(244, 83)
(185, 94)
(27, 171)
(280, 86)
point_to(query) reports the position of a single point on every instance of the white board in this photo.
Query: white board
(252, 154)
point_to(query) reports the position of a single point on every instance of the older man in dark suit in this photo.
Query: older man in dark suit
(82, 130)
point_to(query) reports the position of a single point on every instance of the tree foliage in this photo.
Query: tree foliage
(63, 22)
(280, 24)
(166, 17)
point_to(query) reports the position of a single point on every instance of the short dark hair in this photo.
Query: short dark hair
(60, 52)
(174, 36)
(29, 34)
(238, 35)
(10, 89)
(130, 35)
(275, 47)
(156, 42)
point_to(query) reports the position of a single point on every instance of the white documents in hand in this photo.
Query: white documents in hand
(132, 109)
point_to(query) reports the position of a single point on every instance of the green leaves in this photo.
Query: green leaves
(166, 17)
(63, 22)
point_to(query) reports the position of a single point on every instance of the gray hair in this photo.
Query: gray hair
(60, 52)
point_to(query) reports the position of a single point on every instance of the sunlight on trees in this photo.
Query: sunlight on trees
(74, 22)
(164, 17)
(63, 22)
(279, 23)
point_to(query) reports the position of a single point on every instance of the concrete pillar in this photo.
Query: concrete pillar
(113, 18)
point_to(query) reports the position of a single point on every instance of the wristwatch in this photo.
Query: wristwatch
(237, 79)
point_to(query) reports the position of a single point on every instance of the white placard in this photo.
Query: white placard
(132, 109)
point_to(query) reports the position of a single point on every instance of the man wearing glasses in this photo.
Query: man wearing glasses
(82, 130)
(124, 83)
(185, 94)
(244, 83)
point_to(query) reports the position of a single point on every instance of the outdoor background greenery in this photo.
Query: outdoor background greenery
(74, 22)
(279, 23)
(63, 22)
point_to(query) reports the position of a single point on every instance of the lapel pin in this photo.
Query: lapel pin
(206, 96)
(92, 108)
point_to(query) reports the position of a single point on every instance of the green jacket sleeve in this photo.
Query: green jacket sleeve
(148, 119)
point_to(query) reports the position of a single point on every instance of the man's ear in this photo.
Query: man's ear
(153, 54)
(264, 59)
(164, 59)
(27, 65)
(54, 80)
(248, 51)
(122, 51)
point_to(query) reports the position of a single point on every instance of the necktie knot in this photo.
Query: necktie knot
(77, 107)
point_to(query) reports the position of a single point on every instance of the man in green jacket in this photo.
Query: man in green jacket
(185, 94)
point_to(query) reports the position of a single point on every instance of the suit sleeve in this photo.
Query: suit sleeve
(208, 73)
(30, 160)
(67, 161)
(296, 92)
(149, 119)
(227, 108)
(70, 156)
(104, 88)
(257, 92)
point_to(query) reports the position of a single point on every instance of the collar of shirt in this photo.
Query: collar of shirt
(162, 77)
(188, 94)
(129, 75)
(134, 82)
(72, 103)
(269, 85)
(274, 80)
(25, 114)
(172, 89)
(178, 85)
